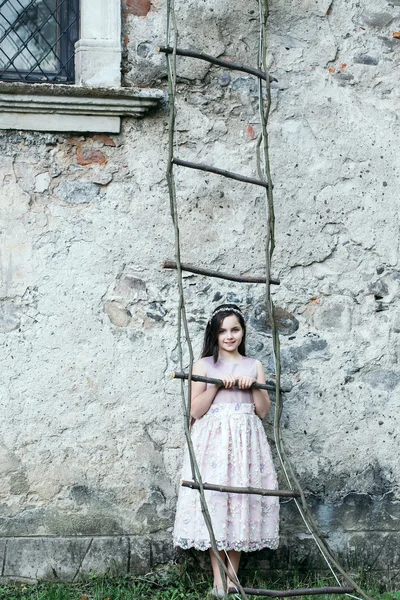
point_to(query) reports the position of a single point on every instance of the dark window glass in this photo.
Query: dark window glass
(37, 40)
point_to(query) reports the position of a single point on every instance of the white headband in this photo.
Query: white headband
(226, 309)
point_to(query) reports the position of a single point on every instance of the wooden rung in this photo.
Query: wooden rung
(170, 264)
(241, 490)
(258, 386)
(216, 61)
(289, 593)
(223, 172)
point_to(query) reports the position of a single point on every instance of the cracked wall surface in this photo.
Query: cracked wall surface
(91, 434)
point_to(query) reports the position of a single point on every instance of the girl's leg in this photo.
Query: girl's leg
(215, 567)
(233, 566)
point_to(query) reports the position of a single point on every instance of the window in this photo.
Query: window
(37, 40)
(40, 40)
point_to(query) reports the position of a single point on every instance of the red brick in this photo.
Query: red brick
(105, 139)
(140, 8)
(251, 133)
(90, 157)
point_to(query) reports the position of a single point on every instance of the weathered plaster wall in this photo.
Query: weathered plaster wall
(91, 431)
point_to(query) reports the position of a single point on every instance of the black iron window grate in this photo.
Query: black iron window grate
(37, 40)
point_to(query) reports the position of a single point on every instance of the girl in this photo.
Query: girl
(231, 449)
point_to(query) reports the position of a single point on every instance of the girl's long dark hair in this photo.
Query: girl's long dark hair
(210, 344)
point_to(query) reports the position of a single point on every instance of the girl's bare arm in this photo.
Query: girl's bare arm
(202, 397)
(261, 398)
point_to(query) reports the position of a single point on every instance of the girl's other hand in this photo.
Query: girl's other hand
(228, 380)
(245, 382)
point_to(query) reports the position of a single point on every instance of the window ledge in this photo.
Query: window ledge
(47, 107)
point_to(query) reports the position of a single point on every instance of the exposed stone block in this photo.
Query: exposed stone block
(379, 288)
(376, 19)
(140, 555)
(51, 559)
(292, 358)
(334, 313)
(42, 182)
(9, 316)
(130, 287)
(225, 79)
(102, 177)
(156, 311)
(365, 59)
(106, 555)
(287, 323)
(162, 551)
(382, 379)
(19, 483)
(118, 314)
(77, 192)
(144, 49)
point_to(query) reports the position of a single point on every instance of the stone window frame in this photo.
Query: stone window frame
(96, 102)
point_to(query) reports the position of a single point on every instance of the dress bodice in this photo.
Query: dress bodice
(245, 366)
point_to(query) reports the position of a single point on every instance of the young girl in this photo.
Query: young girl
(231, 449)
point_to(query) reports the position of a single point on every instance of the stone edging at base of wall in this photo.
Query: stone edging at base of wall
(72, 558)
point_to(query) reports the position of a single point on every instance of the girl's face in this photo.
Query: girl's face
(230, 334)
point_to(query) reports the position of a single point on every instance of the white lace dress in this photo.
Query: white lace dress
(231, 449)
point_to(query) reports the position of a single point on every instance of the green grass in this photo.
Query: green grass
(171, 585)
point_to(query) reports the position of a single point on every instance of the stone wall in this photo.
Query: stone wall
(91, 433)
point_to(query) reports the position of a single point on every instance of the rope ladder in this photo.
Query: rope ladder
(264, 180)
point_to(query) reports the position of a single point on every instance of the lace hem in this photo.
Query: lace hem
(239, 546)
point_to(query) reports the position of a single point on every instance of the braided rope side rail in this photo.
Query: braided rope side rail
(263, 147)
